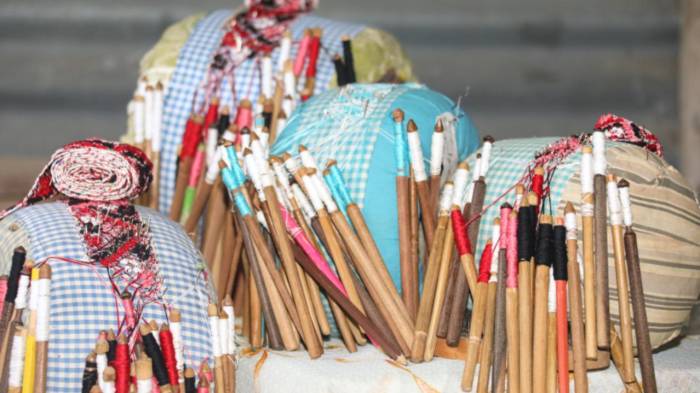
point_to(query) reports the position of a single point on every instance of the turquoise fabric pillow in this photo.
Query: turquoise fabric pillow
(354, 126)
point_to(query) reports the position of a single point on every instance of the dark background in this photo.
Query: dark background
(535, 67)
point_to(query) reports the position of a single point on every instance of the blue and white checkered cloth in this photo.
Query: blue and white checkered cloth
(82, 303)
(344, 125)
(509, 159)
(191, 68)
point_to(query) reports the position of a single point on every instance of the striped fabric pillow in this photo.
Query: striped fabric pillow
(666, 220)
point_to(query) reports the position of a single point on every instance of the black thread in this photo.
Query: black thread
(89, 375)
(112, 351)
(525, 235)
(340, 72)
(532, 214)
(223, 124)
(190, 386)
(560, 253)
(153, 351)
(349, 61)
(18, 258)
(543, 255)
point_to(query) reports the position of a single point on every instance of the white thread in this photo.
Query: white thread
(552, 295)
(108, 387)
(288, 105)
(285, 49)
(325, 194)
(495, 237)
(437, 148)
(22, 292)
(450, 155)
(416, 152)
(139, 109)
(33, 295)
(586, 173)
(626, 205)
(485, 157)
(266, 88)
(307, 159)
(281, 123)
(16, 366)
(587, 209)
(261, 219)
(476, 172)
(281, 175)
(614, 210)
(446, 197)
(599, 163)
(42, 310)
(144, 386)
(223, 335)
(461, 177)
(303, 202)
(281, 197)
(213, 168)
(215, 337)
(289, 84)
(229, 136)
(148, 114)
(259, 154)
(292, 165)
(251, 165)
(571, 229)
(264, 138)
(211, 145)
(176, 330)
(158, 119)
(245, 141)
(141, 86)
(231, 327)
(101, 361)
(313, 193)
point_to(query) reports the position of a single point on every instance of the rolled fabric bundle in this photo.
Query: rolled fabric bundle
(667, 217)
(355, 127)
(112, 264)
(217, 58)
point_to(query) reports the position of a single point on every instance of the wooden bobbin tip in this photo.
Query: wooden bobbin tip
(228, 301)
(539, 170)
(102, 346)
(569, 208)
(587, 149)
(623, 183)
(213, 310)
(397, 114)
(438, 126)
(519, 189)
(109, 374)
(545, 219)
(144, 329)
(411, 126)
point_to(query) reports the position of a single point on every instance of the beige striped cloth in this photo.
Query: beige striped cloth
(666, 219)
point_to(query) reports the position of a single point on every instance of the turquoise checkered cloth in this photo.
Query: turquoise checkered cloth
(510, 159)
(343, 125)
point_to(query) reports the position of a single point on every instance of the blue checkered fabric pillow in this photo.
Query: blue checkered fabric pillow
(191, 68)
(82, 303)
